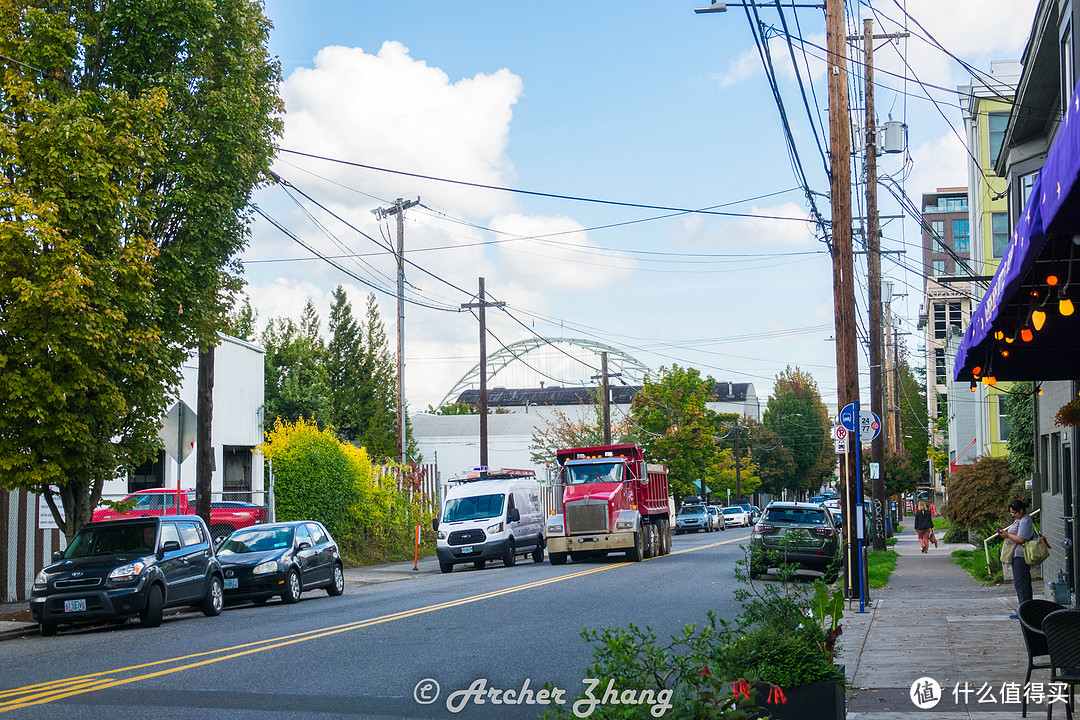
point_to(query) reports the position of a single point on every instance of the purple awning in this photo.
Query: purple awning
(1041, 245)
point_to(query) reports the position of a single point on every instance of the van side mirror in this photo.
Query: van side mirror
(512, 515)
(434, 523)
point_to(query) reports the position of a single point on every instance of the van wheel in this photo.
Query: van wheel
(479, 564)
(510, 559)
(538, 551)
(155, 606)
(557, 558)
(446, 567)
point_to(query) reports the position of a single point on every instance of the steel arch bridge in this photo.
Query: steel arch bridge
(632, 370)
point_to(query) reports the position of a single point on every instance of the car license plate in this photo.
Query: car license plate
(466, 550)
(232, 584)
(74, 606)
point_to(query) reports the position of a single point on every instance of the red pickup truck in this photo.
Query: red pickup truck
(224, 516)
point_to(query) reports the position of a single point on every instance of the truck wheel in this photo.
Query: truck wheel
(665, 537)
(557, 558)
(510, 559)
(220, 532)
(634, 554)
(446, 567)
(155, 606)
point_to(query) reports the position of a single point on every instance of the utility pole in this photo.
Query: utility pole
(847, 369)
(873, 262)
(398, 208)
(606, 402)
(482, 304)
(738, 477)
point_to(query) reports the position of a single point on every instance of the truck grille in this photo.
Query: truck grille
(583, 516)
(466, 537)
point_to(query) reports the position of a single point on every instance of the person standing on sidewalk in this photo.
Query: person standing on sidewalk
(1020, 532)
(924, 525)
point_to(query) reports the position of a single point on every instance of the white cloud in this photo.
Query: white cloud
(770, 228)
(939, 163)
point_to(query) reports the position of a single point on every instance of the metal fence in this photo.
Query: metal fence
(27, 547)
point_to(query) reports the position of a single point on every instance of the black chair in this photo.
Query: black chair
(1062, 630)
(1032, 613)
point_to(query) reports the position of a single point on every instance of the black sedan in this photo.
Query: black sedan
(283, 559)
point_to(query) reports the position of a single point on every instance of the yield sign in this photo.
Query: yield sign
(178, 431)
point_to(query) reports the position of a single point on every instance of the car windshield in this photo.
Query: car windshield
(476, 507)
(127, 539)
(806, 516)
(262, 540)
(594, 473)
(692, 510)
(733, 511)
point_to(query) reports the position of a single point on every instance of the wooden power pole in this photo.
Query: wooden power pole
(482, 305)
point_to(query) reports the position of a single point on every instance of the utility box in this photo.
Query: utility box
(893, 136)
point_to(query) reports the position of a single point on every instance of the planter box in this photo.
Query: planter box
(822, 700)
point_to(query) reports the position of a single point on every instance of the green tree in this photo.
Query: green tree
(1020, 410)
(676, 429)
(773, 463)
(800, 419)
(296, 383)
(559, 432)
(344, 367)
(241, 321)
(378, 392)
(979, 492)
(131, 136)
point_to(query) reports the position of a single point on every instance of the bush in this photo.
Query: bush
(979, 493)
(955, 535)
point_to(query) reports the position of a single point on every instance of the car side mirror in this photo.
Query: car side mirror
(434, 523)
(512, 515)
(304, 545)
(170, 546)
(58, 555)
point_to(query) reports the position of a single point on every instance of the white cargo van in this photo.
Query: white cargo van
(490, 516)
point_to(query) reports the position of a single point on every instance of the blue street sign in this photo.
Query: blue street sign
(869, 423)
(847, 417)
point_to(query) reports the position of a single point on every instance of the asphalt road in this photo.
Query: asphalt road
(374, 650)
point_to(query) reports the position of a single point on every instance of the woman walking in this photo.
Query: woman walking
(1020, 532)
(924, 525)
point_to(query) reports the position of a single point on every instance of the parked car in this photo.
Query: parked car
(160, 502)
(752, 511)
(736, 516)
(283, 559)
(692, 518)
(799, 534)
(717, 515)
(122, 568)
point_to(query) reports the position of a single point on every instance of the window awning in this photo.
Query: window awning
(1030, 279)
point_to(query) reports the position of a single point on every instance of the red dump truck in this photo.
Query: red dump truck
(224, 516)
(613, 502)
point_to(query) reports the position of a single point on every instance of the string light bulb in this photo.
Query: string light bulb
(1026, 335)
(991, 381)
(998, 335)
(1051, 280)
(1005, 353)
(1038, 319)
(976, 370)
(1065, 305)
(973, 386)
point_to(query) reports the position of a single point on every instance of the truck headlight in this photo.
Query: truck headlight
(624, 524)
(265, 567)
(41, 581)
(555, 529)
(127, 572)
(496, 528)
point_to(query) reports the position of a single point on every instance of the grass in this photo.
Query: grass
(890, 541)
(880, 565)
(974, 561)
(941, 524)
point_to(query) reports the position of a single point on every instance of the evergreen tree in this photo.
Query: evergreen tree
(344, 367)
(378, 392)
(296, 381)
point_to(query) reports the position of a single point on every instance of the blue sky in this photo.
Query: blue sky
(635, 102)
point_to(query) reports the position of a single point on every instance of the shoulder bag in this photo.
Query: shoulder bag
(1036, 550)
(1008, 549)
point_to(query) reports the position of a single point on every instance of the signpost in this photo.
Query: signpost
(178, 434)
(868, 422)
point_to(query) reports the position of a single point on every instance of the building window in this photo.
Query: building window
(939, 268)
(1066, 56)
(960, 234)
(956, 315)
(150, 474)
(998, 122)
(1055, 453)
(1044, 462)
(939, 366)
(1004, 426)
(1027, 183)
(937, 230)
(941, 324)
(999, 223)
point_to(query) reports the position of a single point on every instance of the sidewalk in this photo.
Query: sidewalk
(934, 620)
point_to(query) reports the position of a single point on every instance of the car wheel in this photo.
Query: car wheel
(155, 606)
(446, 567)
(292, 588)
(214, 602)
(479, 564)
(510, 559)
(47, 629)
(678, 531)
(338, 585)
(538, 552)
(755, 572)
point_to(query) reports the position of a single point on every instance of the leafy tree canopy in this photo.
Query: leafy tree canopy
(800, 420)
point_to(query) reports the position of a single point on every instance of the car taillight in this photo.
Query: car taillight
(825, 532)
(763, 528)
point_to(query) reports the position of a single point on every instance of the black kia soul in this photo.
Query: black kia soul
(122, 568)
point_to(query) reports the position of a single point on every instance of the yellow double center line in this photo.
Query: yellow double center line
(52, 691)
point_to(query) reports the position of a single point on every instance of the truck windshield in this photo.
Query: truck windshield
(477, 507)
(594, 473)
